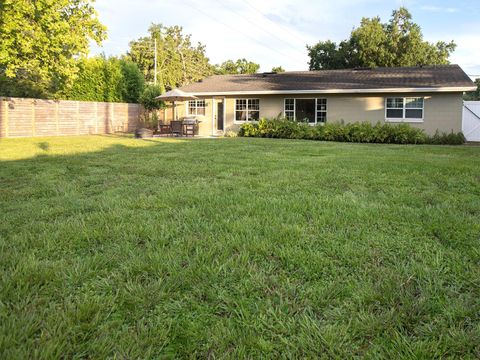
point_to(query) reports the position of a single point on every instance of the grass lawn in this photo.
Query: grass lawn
(229, 248)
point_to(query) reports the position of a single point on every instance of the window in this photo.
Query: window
(196, 107)
(247, 110)
(321, 114)
(313, 111)
(290, 109)
(404, 109)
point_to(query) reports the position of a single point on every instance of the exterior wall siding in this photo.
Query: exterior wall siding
(442, 111)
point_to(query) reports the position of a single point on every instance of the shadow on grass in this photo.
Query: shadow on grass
(45, 146)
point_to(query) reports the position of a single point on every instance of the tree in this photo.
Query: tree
(151, 105)
(106, 79)
(133, 81)
(40, 40)
(396, 43)
(278, 69)
(241, 66)
(473, 95)
(178, 61)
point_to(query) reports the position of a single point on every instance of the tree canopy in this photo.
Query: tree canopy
(178, 61)
(106, 79)
(40, 40)
(473, 95)
(278, 69)
(240, 66)
(399, 42)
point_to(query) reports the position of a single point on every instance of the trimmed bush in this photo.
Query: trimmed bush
(354, 132)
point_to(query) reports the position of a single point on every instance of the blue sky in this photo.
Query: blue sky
(274, 32)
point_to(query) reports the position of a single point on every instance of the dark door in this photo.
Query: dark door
(220, 116)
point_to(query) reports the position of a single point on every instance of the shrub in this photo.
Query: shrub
(231, 133)
(249, 130)
(447, 139)
(354, 132)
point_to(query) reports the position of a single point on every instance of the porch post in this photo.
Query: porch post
(213, 116)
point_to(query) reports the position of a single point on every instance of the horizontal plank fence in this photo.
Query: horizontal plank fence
(20, 117)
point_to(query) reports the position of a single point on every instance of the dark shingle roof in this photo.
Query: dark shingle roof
(420, 77)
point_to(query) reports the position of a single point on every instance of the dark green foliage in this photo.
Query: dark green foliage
(179, 62)
(133, 80)
(354, 132)
(473, 95)
(21, 87)
(40, 41)
(240, 66)
(106, 79)
(147, 99)
(398, 42)
(278, 69)
(151, 105)
(447, 139)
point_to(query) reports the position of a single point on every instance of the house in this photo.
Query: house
(428, 97)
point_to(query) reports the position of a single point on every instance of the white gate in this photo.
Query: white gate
(471, 120)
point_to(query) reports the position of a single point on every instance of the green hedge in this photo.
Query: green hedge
(355, 132)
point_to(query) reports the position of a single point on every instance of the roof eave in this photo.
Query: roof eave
(338, 91)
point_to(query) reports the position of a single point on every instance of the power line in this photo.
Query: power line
(263, 29)
(265, 17)
(239, 31)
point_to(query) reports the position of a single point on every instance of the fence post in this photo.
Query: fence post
(56, 118)
(112, 123)
(33, 117)
(78, 117)
(96, 117)
(3, 118)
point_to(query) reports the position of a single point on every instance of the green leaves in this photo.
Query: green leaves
(39, 40)
(241, 66)
(179, 62)
(102, 79)
(474, 95)
(396, 43)
(147, 99)
(363, 132)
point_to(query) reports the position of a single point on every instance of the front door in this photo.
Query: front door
(220, 116)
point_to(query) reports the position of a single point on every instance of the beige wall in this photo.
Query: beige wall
(442, 111)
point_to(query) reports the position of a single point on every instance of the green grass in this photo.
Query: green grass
(233, 248)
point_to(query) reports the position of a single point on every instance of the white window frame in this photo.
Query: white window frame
(235, 121)
(204, 107)
(404, 119)
(316, 109)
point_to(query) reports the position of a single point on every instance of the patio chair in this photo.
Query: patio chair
(189, 126)
(176, 127)
(164, 128)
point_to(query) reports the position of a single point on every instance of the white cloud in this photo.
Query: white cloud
(467, 53)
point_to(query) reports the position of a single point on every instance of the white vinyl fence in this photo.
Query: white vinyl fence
(471, 120)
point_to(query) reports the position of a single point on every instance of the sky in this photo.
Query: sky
(275, 32)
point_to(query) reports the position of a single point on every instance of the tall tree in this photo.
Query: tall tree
(40, 40)
(399, 42)
(178, 61)
(241, 66)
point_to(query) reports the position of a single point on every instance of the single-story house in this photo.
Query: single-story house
(428, 97)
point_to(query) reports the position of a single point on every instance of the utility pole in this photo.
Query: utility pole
(155, 65)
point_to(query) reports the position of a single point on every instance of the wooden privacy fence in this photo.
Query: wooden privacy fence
(21, 117)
